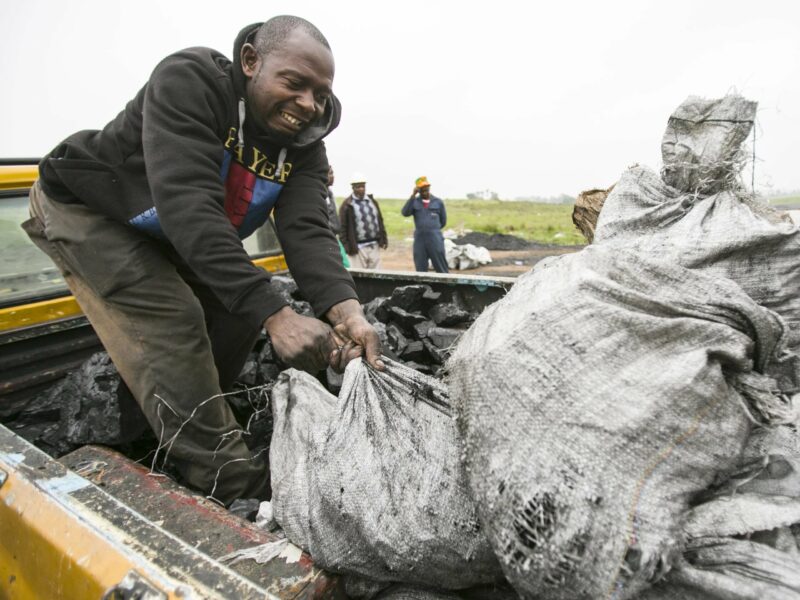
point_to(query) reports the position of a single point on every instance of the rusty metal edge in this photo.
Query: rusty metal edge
(140, 542)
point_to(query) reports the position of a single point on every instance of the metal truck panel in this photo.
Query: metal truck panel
(64, 537)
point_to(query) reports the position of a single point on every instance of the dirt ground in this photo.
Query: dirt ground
(505, 263)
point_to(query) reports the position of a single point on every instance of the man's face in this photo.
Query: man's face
(359, 189)
(289, 88)
(425, 192)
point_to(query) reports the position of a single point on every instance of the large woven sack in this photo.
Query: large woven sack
(301, 411)
(375, 487)
(730, 569)
(698, 216)
(727, 234)
(702, 145)
(595, 400)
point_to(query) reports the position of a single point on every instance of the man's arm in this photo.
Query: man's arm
(315, 262)
(444, 213)
(185, 108)
(311, 250)
(408, 207)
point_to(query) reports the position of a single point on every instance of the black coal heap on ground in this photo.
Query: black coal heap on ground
(496, 241)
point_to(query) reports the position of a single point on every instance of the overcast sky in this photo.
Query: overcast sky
(518, 97)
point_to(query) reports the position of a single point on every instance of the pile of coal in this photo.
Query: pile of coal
(496, 241)
(416, 328)
(92, 405)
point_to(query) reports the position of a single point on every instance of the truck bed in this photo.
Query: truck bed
(97, 524)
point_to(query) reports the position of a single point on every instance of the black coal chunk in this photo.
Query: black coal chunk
(262, 367)
(246, 508)
(397, 341)
(449, 314)
(421, 329)
(422, 368)
(406, 320)
(250, 372)
(414, 351)
(377, 309)
(413, 298)
(285, 286)
(301, 307)
(91, 405)
(439, 355)
(444, 337)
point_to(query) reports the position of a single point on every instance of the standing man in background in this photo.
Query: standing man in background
(363, 232)
(430, 217)
(333, 217)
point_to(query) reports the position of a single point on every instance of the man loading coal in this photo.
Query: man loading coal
(145, 220)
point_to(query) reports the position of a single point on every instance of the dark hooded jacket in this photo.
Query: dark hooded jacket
(178, 165)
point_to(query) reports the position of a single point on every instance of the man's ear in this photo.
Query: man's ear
(250, 59)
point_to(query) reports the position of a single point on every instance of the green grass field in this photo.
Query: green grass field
(786, 201)
(545, 223)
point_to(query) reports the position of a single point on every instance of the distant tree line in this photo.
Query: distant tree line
(560, 199)
(492, 195)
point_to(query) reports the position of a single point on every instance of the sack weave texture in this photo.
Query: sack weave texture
(372, 483)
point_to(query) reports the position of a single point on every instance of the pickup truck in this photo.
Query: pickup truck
(94, 523)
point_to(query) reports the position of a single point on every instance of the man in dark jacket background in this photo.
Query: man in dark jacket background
(430, 217)
(363, 231)
(145, 220)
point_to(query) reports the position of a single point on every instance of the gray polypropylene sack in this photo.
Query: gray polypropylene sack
(759, 502)
(702, 146)
(595, 399)
(730, 569)
(726, 233)
(372, 484)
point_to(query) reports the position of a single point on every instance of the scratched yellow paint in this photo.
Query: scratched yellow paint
(48, 553)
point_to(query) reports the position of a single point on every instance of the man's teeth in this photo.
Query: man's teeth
(291, 119)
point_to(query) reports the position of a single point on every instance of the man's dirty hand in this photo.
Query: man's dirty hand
(357, 336)
(301, 342)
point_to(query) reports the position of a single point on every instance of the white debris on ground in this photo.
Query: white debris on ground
(466, 257)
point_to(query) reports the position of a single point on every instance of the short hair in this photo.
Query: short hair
(273, 33)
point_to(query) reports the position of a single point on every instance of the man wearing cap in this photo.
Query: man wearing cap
(363, 233)
(430, 217)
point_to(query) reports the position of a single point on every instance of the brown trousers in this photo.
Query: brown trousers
(174, 344)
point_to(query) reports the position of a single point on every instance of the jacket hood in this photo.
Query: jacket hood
(315, 131)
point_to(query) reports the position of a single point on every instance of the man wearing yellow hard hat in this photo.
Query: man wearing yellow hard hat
(430, 217)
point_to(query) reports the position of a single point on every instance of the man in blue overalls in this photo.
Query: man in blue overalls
(430, 217)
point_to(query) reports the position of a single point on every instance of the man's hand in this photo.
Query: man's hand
(301, 342)
(357, 335)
